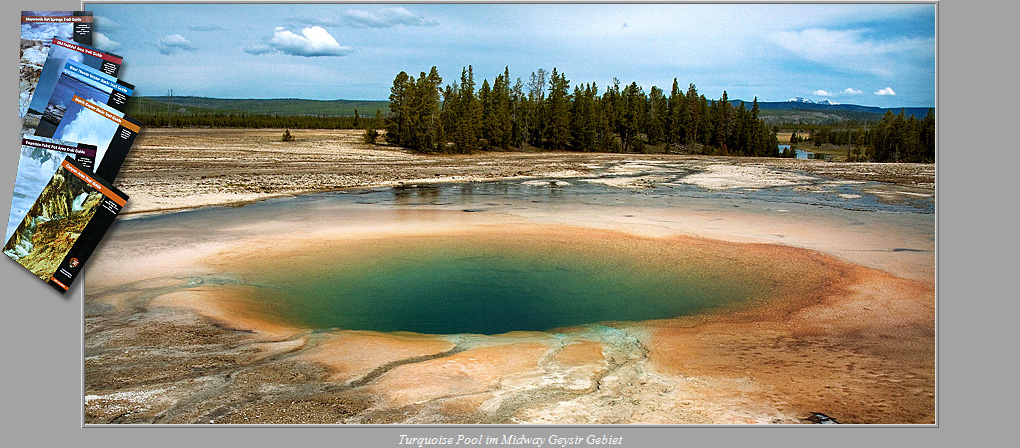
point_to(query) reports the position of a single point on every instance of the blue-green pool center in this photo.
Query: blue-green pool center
(499, 283)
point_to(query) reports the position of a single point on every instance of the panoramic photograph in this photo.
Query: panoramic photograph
(556, 214)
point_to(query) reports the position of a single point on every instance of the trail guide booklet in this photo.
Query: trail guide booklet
(112, 132)
(40, 158)
(62, 51)
(64, 225)
(38, 28)
(79, 80)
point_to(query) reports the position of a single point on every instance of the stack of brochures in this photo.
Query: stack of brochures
(74, 139)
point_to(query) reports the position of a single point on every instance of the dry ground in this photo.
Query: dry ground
(170, 169)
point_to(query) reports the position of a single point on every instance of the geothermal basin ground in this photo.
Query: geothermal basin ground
(507, 288)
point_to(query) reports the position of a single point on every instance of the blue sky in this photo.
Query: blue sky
(869, 54)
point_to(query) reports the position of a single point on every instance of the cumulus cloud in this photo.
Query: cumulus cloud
(851, 91)
(821, 92)
(100, 41)
(888, 91)
(174, 43)
(313, 41)
(853, 50)
(385, 18)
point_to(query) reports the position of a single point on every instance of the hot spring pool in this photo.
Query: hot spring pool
(501, 280)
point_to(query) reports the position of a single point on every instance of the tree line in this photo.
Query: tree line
(548, 113)
(242, 120)
(895, 138)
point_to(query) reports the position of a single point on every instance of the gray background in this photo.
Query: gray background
(40, 371)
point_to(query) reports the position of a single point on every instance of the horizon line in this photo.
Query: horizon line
(386, 100)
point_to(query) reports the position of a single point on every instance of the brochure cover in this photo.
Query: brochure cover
(38, 28)
(64, 225)
(82, 81)
(40, 158)
(60, 52)
(97, 124)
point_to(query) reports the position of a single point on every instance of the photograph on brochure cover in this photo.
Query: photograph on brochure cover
(38, 29)
(665, 214)
(40, 159)
(65, 224)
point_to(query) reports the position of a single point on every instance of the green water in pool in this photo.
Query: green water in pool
(450, 286)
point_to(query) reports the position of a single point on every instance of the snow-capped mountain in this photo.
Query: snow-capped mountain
(808, 101)
(830, 107)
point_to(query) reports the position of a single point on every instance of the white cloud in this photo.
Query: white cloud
(173, 43)
(888, 91)
(104, 24)
(100, 41)
(821, 92)
(313, 41)
(851, 91)
(853, 50)
(385, 18)
(90, 128)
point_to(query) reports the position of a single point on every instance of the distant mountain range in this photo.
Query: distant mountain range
(795, 110)
(806, 104)
(808, 101)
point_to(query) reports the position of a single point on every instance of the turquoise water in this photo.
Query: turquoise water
(444, 287)
(448, 286)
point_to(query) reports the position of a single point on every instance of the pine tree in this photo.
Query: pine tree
(449, 118)
(899, 145)
(754, 128)
(676, 131)
(397, 120)
(559, 111)
(414, 111)
(584, 119)
(502, 104)
(706, 124)
(882, 141)
(692, 124)
(467, 114)
(633, 103)
(927, 138)
(724, 123)
(488, 122)
(518, 115)
(611, 110)
(536, 108)
(433, 126)
(658, 120)
(606, 138)
(378, 118)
